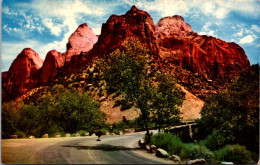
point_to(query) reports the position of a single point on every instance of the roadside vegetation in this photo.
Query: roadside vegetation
(60, 111)
(235, 153)
(229, 127)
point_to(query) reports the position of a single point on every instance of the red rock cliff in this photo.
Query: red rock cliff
(53, 62)
(82, 40)
(23, 73)
(135, 22)
(210, 57)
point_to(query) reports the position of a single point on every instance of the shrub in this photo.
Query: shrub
(195, 151)
(234, 153)
(104, 131)
(168, 142)
(20, 134)
(214, 141)
(82, 132)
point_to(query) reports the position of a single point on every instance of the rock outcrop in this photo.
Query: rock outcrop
(53, 62)
(22, 75)
(135, 23)
(207, 56)
(82, 40)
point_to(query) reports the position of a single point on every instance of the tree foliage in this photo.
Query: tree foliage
(232, 117)
(62, 110)
(130, 72)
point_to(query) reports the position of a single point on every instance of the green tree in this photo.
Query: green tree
(10, 116)
(166, 101)
(72, 110)
(233, 115)
(131, 73)
(61, 110)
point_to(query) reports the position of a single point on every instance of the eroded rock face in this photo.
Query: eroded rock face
(26, 64)
(53, 62)
(207, 56)
(135, 22)
(23, 73)
(82, 40)
(172, 41)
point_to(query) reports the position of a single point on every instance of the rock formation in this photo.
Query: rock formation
(53, 62)
(207, 56)
(135, 22)
(23, 74)
(82, 40)
(172, 41)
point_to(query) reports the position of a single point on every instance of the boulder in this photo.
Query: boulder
(147, 147)
(45, 136)
(93, 134)
(32, 137)
(175, 158)
(153, 149)
(197, 161)
(67, 135)
(162, 153)
(87, 134)
(57, 136)
(13, 136)
(232, 162)
(141, 143)
(77, 135)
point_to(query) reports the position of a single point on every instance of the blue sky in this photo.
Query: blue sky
(44, 25)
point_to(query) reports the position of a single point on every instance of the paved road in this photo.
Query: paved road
(117, 149)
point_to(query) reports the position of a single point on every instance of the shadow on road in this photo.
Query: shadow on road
(103, 147)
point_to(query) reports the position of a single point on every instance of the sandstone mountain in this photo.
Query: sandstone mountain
(207, 56)
(197, 61)
(23, 74)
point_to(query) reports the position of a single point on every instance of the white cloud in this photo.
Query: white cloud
(255, 28)
(7, 11)
(10, 29)
(55, 30)
(221, 13)
(218, 8)
(240, 33)
(207, 30)
(247, 39)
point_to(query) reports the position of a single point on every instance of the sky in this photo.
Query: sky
(44, 25)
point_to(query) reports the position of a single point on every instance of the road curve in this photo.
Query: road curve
(119, 149)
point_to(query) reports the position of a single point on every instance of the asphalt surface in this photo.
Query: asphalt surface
(118, 149)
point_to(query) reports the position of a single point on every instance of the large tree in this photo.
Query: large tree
(131, 71)
(232, 116)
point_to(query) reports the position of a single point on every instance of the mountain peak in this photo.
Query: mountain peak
(82, 40)
(173, 24)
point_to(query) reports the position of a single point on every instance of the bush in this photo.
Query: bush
(104, 131)
(234, 153)
(82, 132)
(168, 142)
(196, 151)
(20, 134)
(214, 141)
